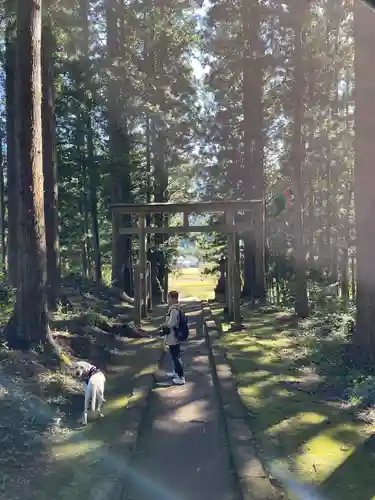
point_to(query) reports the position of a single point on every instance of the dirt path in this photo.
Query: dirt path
(182, 454)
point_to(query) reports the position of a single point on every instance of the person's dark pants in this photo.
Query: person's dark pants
(176, 358)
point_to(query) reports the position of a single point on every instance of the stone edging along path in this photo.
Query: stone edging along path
(253, 482)
(139, 402)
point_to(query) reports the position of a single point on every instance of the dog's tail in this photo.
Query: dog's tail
(93, 399)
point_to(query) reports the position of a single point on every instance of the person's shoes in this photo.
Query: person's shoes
(171, 374)
(179, 381)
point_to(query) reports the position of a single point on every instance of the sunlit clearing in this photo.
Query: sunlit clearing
(192, 285)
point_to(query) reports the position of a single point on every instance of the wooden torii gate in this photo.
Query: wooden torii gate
(230, 210)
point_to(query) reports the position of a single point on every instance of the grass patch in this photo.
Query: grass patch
(294, 402)
(192, 283)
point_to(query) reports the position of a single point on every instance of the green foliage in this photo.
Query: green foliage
(7, 298)
(362, 392)
(152, 75)
(248, 38)
(325, 297)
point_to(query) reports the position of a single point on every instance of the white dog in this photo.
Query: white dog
(95, 382)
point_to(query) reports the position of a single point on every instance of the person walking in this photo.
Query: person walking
(170, 332)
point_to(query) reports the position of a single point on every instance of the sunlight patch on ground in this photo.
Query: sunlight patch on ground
(194, 411)
(147, 371)
(313, 437)
(73, 450)
(146, 340)
(296, 422)
(325, 452)
(117, 403)
(190, 283)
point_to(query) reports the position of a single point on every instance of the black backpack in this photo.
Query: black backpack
(182, 330)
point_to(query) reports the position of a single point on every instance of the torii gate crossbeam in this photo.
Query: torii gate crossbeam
(230, 209)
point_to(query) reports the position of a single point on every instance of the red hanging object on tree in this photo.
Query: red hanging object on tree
(283, 201)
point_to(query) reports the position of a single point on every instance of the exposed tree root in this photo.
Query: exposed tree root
(48, 346)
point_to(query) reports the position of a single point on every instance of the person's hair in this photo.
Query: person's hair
(173, 294)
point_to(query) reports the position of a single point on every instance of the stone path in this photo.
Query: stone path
(182, 453)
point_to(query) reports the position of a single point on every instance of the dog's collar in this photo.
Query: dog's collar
(92, 372)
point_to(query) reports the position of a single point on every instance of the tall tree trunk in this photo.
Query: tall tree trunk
(344, 283)
(310, 220)
(344, 259)
(2, 206)
(297, 159)
(148, 173)
(353, 277)
(93, 187)
(161, 195)
(254, 283)
(50, 166)
(124, 150)
(118, 144)
(86, 222)
(31, 314)
(91, 174)
(364, 180)
(347, 206)
(248, 98)
(112, 48)
(84, 205)
(12, 178)
(82, 183)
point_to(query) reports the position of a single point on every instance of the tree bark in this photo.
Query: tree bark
(112, 52)
(86, 221)
(124, 148)
(91, 174)
(353, 277)
(254, 282)
(50, 166)
(364, 178)
(2, 207)
(93, 186)
(30, 315)
(344, 257)
(297, 159)
(12, 180)
(118, 143)
(161, 195)
(348, 208)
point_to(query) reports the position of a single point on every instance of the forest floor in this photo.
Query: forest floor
(310, 408)
(310, 411)
(44, 451)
